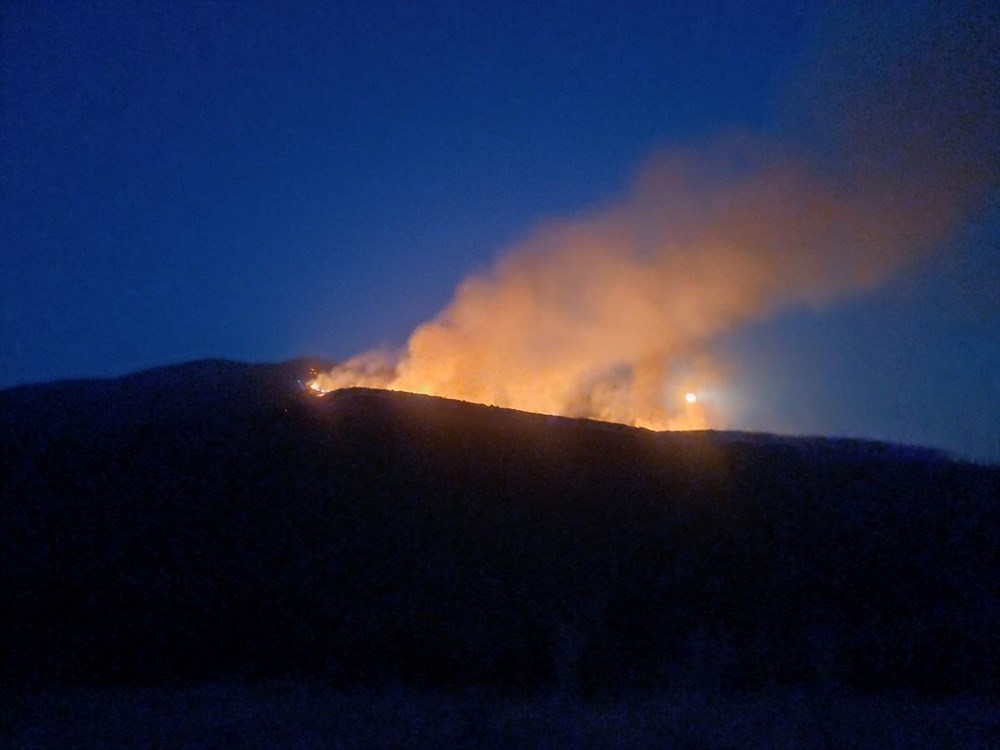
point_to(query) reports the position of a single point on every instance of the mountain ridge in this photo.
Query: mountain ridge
(230, 523)
(209, 374)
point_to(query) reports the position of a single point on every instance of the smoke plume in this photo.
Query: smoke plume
(610, 315)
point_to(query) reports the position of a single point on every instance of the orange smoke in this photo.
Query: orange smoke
(611, 315)
(591, 317)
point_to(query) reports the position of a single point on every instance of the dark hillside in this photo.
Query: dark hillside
(211, 520)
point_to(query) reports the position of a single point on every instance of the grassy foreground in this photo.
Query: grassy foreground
(312, 715)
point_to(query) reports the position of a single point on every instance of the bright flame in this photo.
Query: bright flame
(690, 397)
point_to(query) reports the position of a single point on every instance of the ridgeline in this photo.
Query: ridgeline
(213, 520)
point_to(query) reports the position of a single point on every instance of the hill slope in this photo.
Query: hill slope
(212, 520)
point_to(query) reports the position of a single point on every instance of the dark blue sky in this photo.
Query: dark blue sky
(266, 180)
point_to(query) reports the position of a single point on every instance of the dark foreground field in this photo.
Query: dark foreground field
(382, 565)
(313, 715)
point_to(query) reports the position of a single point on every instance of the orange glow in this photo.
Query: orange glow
(612, 315)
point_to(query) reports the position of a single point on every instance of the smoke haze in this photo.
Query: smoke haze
(611, 315)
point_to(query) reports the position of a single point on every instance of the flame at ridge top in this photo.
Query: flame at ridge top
(610, 398)
(694, 420)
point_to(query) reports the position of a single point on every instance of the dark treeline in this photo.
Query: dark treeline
(211, 521)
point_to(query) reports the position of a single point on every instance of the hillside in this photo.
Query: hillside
(211, 521)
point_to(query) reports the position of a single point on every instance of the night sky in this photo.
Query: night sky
(261, 181)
